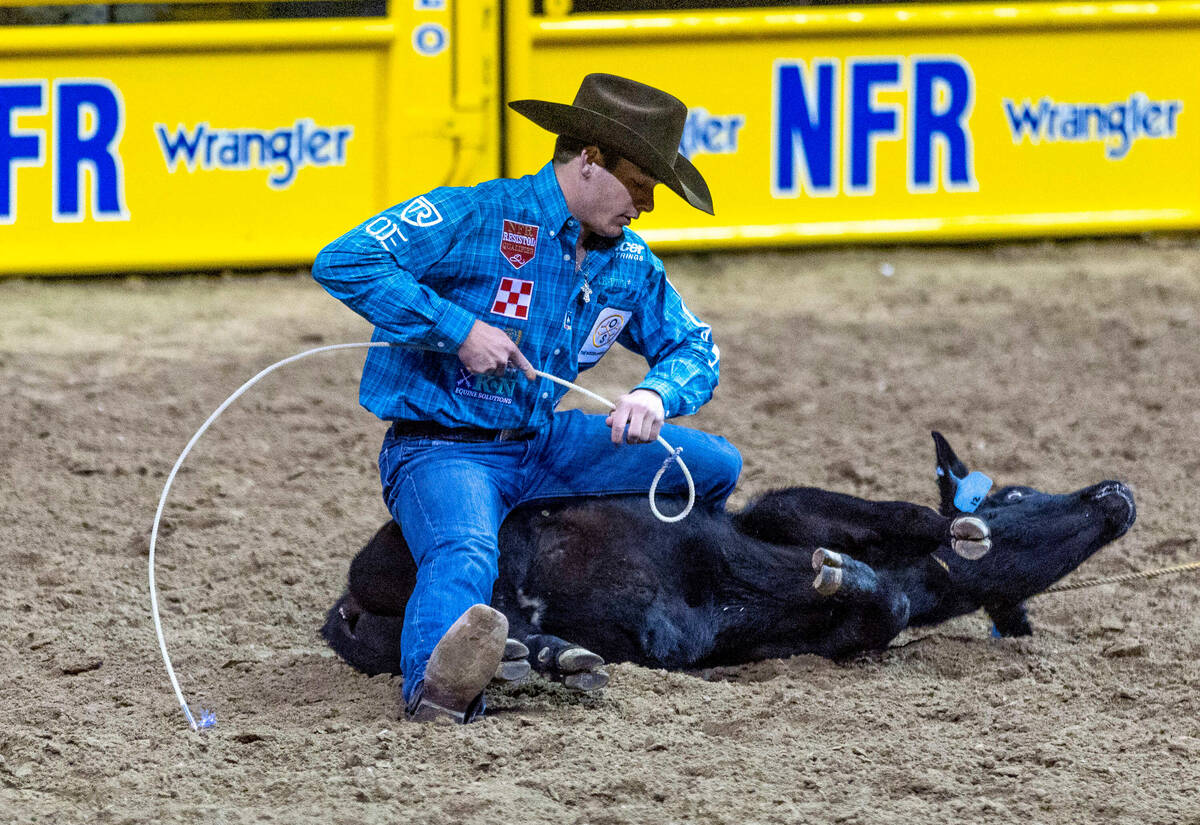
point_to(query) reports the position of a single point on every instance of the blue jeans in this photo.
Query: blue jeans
(449, 498)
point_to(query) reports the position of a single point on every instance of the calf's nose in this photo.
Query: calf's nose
(1116, 500)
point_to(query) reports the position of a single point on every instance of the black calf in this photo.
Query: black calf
(723, 589)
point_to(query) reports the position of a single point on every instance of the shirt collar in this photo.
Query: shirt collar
(550, 200)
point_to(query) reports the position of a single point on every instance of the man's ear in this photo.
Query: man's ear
(592, 156)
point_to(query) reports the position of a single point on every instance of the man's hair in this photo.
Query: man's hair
(567, 148)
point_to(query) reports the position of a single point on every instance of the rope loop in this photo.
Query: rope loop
(673, 458)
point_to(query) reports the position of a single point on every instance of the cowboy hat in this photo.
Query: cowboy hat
(641, 123)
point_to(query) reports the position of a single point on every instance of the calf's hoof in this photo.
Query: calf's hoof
(576, 667)
(587, 681)
(826, 558)
(970, 537)
(514, 666)
(828, 580)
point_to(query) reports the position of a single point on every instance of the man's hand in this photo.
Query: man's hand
(642, 411)
(489, 349)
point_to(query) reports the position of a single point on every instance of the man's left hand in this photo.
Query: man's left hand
(642, 412)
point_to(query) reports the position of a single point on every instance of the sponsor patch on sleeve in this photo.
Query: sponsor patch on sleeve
(518, 243)
(420, 212)
(513, 298)
(604, 333)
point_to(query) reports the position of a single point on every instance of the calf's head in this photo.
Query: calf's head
(1037, 538)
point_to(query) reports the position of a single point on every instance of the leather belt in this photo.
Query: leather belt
(429, 429)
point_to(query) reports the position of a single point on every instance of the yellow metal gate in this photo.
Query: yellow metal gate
(246, 143)
(251, 143)
(886, 123)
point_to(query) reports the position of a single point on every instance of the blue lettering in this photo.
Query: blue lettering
(172, 149)
(704, 133)
(798, 115)
(344, 134)
(868, 121)
(90, 121)
(1026, 120)
(1117, 126)
(255, 141)
(1174, 107)
(230, 153)
(1150, 120)
(315, 144)
(281, 155)
(943, 99)
(17, 147)
(283, 152)
(209, 140)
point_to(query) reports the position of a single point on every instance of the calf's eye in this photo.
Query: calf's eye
(1014, 495)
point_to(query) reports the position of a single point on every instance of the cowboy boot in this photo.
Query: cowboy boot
(461, 665)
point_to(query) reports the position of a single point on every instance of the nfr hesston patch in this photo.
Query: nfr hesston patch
(518, 243)
(513, 298)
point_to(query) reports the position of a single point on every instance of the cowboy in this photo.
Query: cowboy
(481, 286)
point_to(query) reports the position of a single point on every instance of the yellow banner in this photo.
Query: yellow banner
(914, 122)
(201, 145)
(242, 144)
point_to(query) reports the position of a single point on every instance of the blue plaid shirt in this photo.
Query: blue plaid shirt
(504, 252)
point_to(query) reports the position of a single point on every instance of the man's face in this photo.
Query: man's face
(613, 200)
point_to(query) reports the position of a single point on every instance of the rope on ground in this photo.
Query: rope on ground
(1127, 577)
(207, 718)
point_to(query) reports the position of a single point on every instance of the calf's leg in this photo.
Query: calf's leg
(874, 531)
(871, 612)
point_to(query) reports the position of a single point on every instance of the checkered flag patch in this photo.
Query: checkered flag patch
(513, 298)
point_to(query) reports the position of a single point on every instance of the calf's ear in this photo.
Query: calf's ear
(949, 471)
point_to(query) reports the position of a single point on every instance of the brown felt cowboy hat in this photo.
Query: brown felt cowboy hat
(643, 124)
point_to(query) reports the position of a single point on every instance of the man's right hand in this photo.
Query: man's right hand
(489, 349)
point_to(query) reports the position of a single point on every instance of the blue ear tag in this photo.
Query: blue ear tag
(971, 491)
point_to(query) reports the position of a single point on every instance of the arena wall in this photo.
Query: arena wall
(251, 143)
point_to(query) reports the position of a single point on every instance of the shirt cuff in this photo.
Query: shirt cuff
(451, 329)
(666, 391)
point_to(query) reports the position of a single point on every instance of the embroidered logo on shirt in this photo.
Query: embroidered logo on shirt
(518, 243)
(604, 332)
(496, 388)
(420, 212)
(630, 251)
(513, 298)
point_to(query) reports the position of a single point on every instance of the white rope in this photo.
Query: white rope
(674, 456)
(207, 718)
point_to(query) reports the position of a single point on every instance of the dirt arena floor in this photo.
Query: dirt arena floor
(1053, 364)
